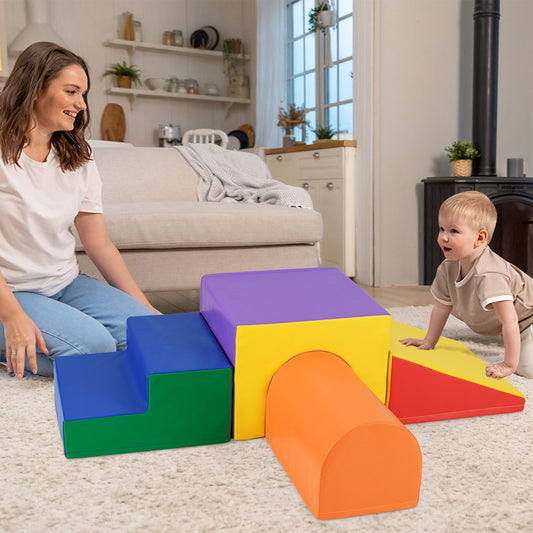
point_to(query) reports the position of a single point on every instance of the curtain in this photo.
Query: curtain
(271, 69)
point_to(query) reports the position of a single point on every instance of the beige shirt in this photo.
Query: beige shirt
(491, 279)
(38, 205)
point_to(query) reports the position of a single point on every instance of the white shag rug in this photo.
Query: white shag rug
(477, 474)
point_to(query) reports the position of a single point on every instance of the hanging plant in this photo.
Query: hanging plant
(321, 18)
(231, 50)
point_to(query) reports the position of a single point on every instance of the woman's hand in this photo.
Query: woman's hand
(22, 336)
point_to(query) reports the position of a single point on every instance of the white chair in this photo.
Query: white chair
(205, 136)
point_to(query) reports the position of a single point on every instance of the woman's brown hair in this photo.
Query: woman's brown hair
(34, 69)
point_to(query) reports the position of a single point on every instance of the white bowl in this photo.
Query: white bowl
(155, 84)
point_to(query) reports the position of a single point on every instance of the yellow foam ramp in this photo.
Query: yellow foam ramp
(444, 383)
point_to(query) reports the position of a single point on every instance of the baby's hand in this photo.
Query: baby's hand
(421, 344)
(500, 370)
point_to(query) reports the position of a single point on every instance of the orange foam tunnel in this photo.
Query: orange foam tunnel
(345, 452)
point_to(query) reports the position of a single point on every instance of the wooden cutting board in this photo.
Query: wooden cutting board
(113, 126)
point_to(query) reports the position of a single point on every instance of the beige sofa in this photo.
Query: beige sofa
(169, 239)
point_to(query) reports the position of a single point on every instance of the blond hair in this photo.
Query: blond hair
(475, 207)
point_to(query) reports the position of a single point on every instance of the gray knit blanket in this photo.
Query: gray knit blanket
(233, 176)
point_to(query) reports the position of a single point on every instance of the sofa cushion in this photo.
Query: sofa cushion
(145, 174)
(209, 224)
(183, 268)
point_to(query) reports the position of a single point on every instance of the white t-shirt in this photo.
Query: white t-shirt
(38, 204)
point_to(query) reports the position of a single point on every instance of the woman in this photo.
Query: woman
(48, 182)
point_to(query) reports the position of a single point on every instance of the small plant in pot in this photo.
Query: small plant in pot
(461, 153)
(125, 74)
(324, 133)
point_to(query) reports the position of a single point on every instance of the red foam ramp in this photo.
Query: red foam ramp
(422, 394)
(444, 383)
(345, 452)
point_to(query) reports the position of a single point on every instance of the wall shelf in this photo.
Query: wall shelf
(132, 94)
(132, 46)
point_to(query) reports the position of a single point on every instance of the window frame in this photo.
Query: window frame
(323, 104)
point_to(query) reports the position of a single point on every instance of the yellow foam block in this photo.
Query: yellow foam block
(261, 349)
(264, 318)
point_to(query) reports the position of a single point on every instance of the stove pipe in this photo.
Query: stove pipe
(485, 94)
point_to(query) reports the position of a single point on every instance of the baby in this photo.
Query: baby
(479, 287)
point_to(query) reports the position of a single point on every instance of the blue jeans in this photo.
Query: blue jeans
(87, 316)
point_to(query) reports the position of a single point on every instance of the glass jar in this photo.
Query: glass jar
(192, 86)
(177, 38)
(167, 37)
(211, 89)
(129, 32)
(180, 87)
(172, 84)
(137, 26)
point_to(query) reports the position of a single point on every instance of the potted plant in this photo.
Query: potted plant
(321, 17)
(289, 119)
(125, 74)
(324, 133)
(231, 48)
(461, 153)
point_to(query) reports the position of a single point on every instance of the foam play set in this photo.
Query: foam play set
(159, 393)
(303, 357)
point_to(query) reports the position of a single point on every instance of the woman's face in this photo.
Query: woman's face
(56, 107)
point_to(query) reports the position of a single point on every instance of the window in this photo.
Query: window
(326, 91)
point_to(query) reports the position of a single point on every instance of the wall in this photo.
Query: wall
(423, 101)
(85, 24)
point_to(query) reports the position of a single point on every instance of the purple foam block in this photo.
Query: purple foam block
(279, 296)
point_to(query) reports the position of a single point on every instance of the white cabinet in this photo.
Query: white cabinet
(328, 174)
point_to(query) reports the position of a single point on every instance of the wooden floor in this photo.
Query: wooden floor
(400, 296)
(189, 301)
